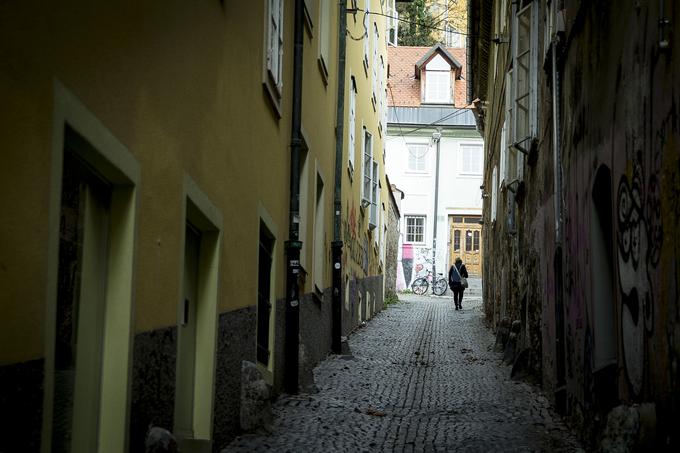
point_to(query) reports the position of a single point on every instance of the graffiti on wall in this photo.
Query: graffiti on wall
(639, 238)
(355, 248)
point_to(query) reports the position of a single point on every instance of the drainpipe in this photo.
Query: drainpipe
(557, 151)
(293, 244)
(336, 246)
(436, 136)
(559, 220)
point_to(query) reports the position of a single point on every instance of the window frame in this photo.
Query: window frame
(324, 39)
(374, 69)
(375, 195)
(462, 147)
(430, 76)
(273, 75)
(367, 34)
(367, 174)
(351, 126)
(494, 193)
(531, 74)
(426, 148)
(423, 228)
(319, 255)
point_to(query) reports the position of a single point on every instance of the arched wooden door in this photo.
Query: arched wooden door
(466, 242)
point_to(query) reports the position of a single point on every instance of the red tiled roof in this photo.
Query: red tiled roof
(404, 89)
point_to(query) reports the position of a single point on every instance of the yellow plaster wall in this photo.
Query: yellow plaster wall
(180, 85)
(365, 116)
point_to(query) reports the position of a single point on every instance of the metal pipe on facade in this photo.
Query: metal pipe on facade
(436, 136)
(336, 246)
(557, 151)
(293, 244)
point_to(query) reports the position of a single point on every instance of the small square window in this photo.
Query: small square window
(415, 229)
(417, 157)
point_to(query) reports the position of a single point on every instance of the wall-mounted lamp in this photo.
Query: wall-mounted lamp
(499, 39)
(485, 195)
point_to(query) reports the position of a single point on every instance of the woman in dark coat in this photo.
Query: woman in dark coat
(457, 271)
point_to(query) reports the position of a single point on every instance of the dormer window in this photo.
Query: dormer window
(437, 71)
(438, 81)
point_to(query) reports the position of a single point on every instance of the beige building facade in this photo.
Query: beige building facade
(145, 180)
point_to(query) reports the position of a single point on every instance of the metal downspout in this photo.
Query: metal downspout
(437, 136)
(557, 151)
(293, 244)
(336, 246)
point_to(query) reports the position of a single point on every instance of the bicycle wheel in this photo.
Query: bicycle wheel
(440, 287)
(419, 286)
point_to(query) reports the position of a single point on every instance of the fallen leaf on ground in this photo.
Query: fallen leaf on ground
(375, 412)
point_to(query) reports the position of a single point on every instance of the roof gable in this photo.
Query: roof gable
(438, 49)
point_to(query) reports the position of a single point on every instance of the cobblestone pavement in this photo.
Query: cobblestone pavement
(422, 378)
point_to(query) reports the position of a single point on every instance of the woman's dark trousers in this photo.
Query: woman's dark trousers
(458, 296)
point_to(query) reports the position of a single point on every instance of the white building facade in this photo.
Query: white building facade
(416, 134)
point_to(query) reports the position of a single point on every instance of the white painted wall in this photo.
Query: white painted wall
(459, 192)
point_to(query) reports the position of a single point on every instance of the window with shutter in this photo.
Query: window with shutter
(367, 34)
(494, 193)
(374, 43)
(325, 37)
(373, 218)
(367, 168)
(274, 44)
(524, 81)
(352, 123)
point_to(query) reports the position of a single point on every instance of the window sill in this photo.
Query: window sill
(273, 95)
(438, 103)
(417, 173)
(317, 294)
(323, 70)
(309, 26)
(470, 175)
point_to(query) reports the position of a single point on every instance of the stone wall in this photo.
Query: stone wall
(235, 343)
(391, 249)
(622, 136)
(611, 284)
(21, 410)
(154, 362)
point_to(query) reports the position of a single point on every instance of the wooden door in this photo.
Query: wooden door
(466, 242)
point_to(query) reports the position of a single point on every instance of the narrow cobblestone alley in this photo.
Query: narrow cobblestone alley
(421, 377)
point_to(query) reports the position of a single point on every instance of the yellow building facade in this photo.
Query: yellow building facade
(145, 184)
(364, 188)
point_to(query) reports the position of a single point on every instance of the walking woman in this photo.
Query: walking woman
(458, 282)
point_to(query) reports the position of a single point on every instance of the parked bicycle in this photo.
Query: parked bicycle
(421, 284)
